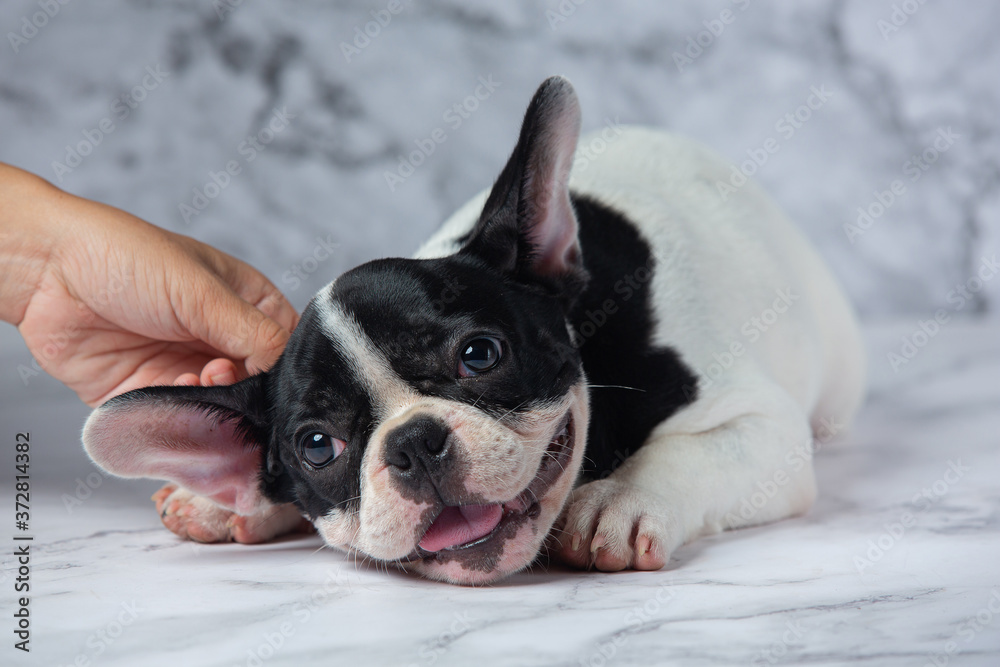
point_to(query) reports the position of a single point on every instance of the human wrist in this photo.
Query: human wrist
(27, 205)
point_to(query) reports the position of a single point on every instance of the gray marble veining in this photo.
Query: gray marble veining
(358, 104)
(898, 562)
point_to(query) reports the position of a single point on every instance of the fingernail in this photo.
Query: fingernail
(223, 378)
(597, 543)
(575, 543)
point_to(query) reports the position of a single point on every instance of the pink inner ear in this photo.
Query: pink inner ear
(555, 236)
(182, 444)
(553, 230)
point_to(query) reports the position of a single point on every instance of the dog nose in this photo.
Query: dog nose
(421, 440)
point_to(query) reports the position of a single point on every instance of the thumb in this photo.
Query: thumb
(237, 329)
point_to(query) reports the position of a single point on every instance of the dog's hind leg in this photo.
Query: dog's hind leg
(198, 518)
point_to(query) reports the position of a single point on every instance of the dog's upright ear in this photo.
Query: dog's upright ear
(528, 227)
(209, 440)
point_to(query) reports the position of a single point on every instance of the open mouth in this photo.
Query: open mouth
(465, 527)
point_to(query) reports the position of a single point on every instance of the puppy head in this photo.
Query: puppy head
(431, 413)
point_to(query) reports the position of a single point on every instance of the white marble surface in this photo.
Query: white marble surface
(784, 594)
(323, 175)
(791, 593)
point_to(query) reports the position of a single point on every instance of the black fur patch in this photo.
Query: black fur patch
(421, 313)
(313, 388)
(613, 324)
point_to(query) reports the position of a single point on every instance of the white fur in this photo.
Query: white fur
(388, 391)
(717, 265)
(501, 456)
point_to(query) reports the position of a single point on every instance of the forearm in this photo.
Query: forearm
(27, 205)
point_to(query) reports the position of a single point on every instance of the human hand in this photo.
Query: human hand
(108, 303)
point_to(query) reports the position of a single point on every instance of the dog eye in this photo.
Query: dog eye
(478, 356)
(318, 449)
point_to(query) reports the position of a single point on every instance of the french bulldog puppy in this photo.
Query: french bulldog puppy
(604, 353)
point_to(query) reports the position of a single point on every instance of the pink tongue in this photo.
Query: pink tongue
(460, 525)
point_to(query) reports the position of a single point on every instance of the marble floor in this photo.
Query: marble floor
(897, 564)
(899, 561)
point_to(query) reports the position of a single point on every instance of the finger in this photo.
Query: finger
(187, 380)
(277, 307)
(268, 344)
(219, 317)
(253, 287)
(218, 372)
(248, 283)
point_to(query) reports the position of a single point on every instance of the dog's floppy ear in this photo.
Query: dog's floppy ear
(528, 227)
(207, 439)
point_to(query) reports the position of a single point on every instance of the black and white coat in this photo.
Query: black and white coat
(606, 358)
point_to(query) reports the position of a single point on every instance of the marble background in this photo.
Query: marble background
(324, 174)
(196, 84)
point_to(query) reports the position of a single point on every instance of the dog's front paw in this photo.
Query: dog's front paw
(197, 518)
(613, 526)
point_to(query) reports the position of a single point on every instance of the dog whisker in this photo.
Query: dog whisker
(613, 386)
